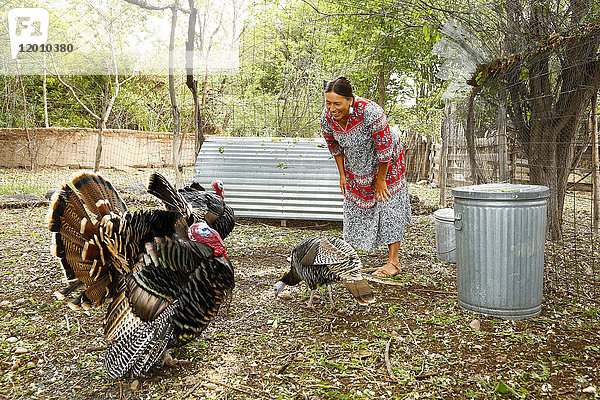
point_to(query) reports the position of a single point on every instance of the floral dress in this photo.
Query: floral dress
(367, 141)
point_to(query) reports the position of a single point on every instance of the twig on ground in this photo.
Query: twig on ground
(385, 281)
(388, 364)
(426, 375)
(434, 291)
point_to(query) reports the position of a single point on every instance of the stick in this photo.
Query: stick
(426, 375)
(388, 364)
(384, 281)
(434, 291)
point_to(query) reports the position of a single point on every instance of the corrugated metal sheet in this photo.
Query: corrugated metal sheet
(266, 177)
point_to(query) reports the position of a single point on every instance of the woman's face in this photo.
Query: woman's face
(337, 105)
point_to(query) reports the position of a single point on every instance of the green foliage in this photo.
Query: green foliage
(286, 51)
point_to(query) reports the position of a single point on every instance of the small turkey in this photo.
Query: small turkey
(322, 260)
(162, 273)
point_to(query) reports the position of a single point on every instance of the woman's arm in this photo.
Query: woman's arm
(339, 160)
(381, 190)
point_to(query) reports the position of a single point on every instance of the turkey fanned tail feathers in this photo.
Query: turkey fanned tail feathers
(323, 260)
(163, 289)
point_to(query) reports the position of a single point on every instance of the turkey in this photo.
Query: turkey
(209, 206)
(323, 260)
(162, 278)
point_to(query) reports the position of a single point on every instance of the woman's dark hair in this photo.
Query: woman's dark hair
(340, 86)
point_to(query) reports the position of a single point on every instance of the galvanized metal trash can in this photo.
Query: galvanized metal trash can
(445, 242)
(500, 235)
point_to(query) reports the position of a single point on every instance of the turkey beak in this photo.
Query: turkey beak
(278, 288)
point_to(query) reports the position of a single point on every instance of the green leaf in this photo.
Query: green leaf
(502, 388)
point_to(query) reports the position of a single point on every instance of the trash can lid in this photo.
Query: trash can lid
(444, 214)
(501, 191)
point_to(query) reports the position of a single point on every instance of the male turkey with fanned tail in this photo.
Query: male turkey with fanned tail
(323, 260)
(164, 273)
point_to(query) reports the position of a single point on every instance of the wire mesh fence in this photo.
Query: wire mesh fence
(489, 140)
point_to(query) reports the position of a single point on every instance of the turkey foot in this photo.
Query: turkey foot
(388, 270)
(171, 362)
(310, 303)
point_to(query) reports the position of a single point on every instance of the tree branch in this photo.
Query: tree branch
(144, 4)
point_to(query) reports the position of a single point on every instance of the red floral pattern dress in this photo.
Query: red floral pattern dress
(367, 141)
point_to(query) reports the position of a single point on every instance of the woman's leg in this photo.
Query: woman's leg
(392, 267)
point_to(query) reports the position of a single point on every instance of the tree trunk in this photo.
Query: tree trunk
(176, 123)
(476, 175)
(447, 126)
(191, 83)
(501, 137)
(99, 146)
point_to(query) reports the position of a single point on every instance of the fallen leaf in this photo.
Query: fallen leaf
(589, 389)
(285, 296)
(191, 380)
(21, 350)
(502, 388)
(364, 353)
(135, 385)
(210, 385)
(501, 358)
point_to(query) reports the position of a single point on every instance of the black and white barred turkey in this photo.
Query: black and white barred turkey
(322, 260)
(211, 206)
(163, 273)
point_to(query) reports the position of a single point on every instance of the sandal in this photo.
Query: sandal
(382, 273)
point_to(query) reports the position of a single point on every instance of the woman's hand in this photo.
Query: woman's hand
(382, 193)
(343, 183)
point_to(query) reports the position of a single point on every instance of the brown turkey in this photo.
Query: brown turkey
(322, 260)
(163, 273)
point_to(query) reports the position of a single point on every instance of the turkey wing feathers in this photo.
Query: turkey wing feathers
(163, 190)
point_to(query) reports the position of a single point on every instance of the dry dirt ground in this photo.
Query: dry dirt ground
(413, 343)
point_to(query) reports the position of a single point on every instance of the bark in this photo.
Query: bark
(175, 109)
(548, 108)
(501, 137)
(476, 174)
(191, 83)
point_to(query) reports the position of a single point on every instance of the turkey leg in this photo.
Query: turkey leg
(171, 362)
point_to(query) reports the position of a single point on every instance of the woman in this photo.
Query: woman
(370, 160)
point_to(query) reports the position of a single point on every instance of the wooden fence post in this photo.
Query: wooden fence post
(446, 127)
(501, 136)
(595, 172)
